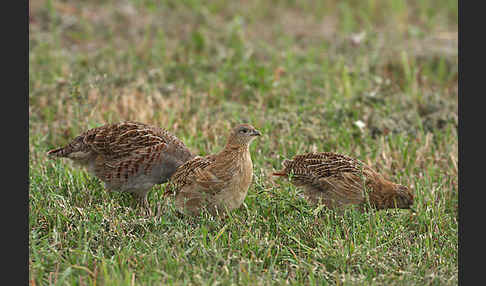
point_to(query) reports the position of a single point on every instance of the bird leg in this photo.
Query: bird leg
(142, 203)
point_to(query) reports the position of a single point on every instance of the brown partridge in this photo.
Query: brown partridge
(127, 156)
(336, 180)
(217, 182)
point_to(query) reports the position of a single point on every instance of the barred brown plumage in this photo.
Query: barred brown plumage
(127, 156)
(217, 182)
(336, 180)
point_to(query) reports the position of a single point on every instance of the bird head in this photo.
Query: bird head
(243, 134)
(403, 197)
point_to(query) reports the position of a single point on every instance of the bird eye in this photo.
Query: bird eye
(243, 130)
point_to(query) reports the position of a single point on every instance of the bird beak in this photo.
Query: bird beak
(256, 133)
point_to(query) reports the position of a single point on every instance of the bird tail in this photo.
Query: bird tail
(59, 152)
(283, 172)
(280, 173)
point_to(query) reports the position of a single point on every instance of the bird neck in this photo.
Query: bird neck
(236, 157)
(234, 153)
(238, 148)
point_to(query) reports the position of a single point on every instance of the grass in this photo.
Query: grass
(302, 72)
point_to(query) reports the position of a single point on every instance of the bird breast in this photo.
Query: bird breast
(234, 196)
(247, 172)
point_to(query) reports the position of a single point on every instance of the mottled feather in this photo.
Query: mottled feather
(219, 181)
(337, 180)
(127, 156)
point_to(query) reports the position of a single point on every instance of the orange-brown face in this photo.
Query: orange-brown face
(243, 134)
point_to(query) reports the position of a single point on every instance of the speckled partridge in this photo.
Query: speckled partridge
(127, 156)
(337, 180)
(217, 182)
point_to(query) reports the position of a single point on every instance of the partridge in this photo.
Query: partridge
(217, 182)
(336, 180)
(127, 156)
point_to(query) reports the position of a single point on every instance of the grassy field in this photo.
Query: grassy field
(377, 80)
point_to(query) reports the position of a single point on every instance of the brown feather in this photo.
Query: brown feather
(127, 156)
(219, 181)
(337, 180)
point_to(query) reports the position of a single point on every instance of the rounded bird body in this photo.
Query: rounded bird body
(127, 156)
(337, 180)
(217, 182)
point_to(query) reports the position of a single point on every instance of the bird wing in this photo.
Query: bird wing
(213, 179)
(116, 171)
(186, 171)
(202, 173)
(121, 139)
(345, 188)
(337, 178)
